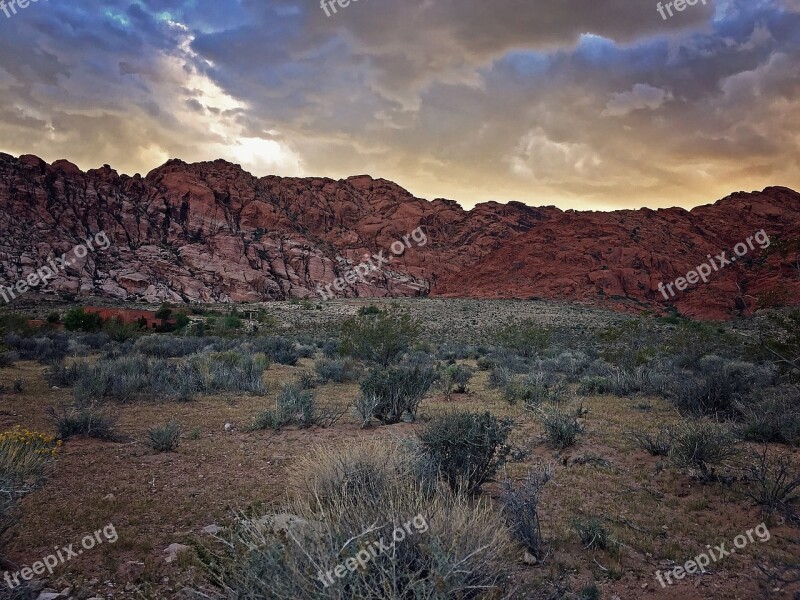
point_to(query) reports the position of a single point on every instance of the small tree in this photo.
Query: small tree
(164, 313)
(380, 338)
(466, 449)
(78, 320)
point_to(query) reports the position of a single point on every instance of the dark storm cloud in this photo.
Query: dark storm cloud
(586, 104)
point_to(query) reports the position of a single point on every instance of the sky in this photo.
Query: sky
(583, 104)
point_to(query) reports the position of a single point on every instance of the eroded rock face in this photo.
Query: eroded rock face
(212, 232)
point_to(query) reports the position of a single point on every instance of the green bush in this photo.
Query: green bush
(466, 449)
(338, 371)
(594, 385)
(381, 338)
(164, 312)
(297, 406)
(62, 375)
(164, 438)
(83, 420)
(369, 310)
(535, 388)
(454, 379)
(714, 385)
(231, 322)
(389, 393)
(702, 446)
(771, 416)
(78, 320)
(280, 350)
(119, 331)
(561, 427)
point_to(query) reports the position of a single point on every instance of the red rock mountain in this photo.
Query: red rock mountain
(212, 232)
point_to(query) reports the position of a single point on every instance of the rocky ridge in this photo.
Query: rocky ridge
(211, 232)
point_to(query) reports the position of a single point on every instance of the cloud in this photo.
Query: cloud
(642, 96)
(584, 105)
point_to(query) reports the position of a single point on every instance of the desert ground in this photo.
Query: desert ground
(582, 395)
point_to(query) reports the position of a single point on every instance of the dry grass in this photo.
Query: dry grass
(654, 513)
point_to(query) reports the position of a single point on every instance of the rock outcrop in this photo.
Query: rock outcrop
(210, 232)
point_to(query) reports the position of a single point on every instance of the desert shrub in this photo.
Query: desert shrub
(521, 509)
(164, 438)
(78, 320)
(369, 310)
(536, 387)
(380, 338)
(118, 331)
(526, 338)
(701, 446)
(592, 533)
(570, 363)
(454, 351)
(330, 348)
(62, 375)
(231, 371)
(14, 323)
(306, 351)
(53, 346)
(95, 341)
(338, 371)
(771, 415)
(500, 377)
(782, 344)
(772, 483)
(659, 444)
(7, 359)
(588, 386)
(297, 406)
(447, 546)
(306, 380)
(231, 321)
(715, 384)
(561, 427)
(280, 350)
(121, 379)
(24, 459)
(387, 393)
(170, 346)
(53, 317)
(486, 363)
(367, 470)
(454, 378)
(164, 312)
(134, 377)
(466, 449)
(178, 380)
(83, 420)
